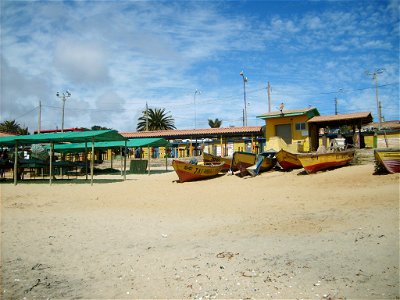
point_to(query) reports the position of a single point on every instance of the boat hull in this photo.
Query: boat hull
(288, 160)
(314, 162)
(389, 159)
(189, 172)
(263, 164)
(242, 160)
(209, 158)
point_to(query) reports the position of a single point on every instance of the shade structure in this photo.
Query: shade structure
(141, 142)
(60, 137)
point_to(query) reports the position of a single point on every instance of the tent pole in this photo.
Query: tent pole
(121, 160)
(126, 153)
(148, 158)
(92, 163)
(51, 162)
(15, 163)
(86, 161)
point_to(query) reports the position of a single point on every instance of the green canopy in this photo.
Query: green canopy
(139, 142)
(58, 137)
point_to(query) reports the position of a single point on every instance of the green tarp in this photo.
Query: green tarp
(140, 142)
(58, 137)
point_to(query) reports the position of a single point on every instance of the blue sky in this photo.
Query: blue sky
(115, 56)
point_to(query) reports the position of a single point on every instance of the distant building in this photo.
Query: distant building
(289, 125)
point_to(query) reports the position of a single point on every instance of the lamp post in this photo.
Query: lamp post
(375, 77)
(244, 98)
(194, 101)
(63, 97)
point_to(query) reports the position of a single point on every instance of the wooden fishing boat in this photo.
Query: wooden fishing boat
(288, 160)
(265, 162)
(190, 172)
(314, 162)
(242, 160)
(389, 159)
(210, 158)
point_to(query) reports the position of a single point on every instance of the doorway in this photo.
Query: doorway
(284, 131)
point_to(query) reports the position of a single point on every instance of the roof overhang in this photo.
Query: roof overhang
(309, 112)
(361, 118)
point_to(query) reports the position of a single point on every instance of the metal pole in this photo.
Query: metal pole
(51, 162)
(63, 107)
(269, 97)
(92, 163)
(126, 153)
(244, 98)
(148, 147)
(15, 163)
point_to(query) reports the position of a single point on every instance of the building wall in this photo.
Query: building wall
(297, 135)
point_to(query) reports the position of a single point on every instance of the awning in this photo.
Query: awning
(59, 137)
(142, 142)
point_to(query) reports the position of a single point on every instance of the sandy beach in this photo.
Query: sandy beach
(330, 235)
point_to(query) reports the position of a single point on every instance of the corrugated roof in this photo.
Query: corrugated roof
(290, 112)
(187, 133)
(341, 117)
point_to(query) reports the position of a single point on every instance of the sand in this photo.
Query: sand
(329, 235)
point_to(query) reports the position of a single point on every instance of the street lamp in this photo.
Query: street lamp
(194, 101)
(375, 77)
(63, 97)
(244, 98)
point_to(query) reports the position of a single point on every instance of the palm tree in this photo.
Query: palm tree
(13, 127)
(157, 120)
(215, 123)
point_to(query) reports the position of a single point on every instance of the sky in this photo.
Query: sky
(116, 56)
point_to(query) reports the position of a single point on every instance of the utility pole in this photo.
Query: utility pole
(375, 78)
(40, 116)
(63, 97)
(244, 98)
(335, 105)
(269, 97)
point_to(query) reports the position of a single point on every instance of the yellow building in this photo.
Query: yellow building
(289, 125)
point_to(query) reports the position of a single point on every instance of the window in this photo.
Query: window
(300, 126)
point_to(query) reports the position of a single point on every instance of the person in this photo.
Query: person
(4, 163)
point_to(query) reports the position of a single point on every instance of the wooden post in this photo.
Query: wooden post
(222, 148)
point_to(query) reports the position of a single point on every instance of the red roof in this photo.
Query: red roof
(288, 112)
(6, 134)
(187, 133)
(341, 117)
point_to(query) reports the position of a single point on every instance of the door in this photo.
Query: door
(284, 131)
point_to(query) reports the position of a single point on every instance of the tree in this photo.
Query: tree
(215, 123)
(157, 120)
(97, 127)
(13, 127)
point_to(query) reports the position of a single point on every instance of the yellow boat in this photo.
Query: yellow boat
(314, 162)
(242, 160)
(210, 158)
(190, 172)
(389, 159)
(288, 160)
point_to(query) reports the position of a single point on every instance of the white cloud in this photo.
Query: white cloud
(81, 62)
